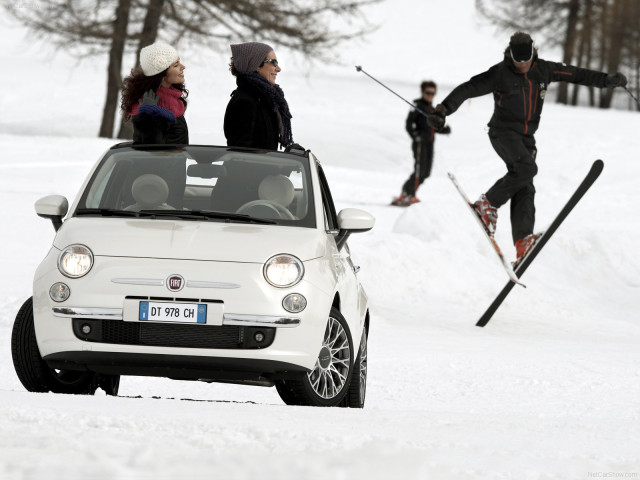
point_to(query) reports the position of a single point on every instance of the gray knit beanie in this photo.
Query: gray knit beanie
(157, 58)
(247, 57)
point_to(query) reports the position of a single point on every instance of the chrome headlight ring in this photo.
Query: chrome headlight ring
(283, 270)
(75, 261)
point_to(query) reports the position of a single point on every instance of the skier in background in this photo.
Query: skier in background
(519, 84)
(422, 136)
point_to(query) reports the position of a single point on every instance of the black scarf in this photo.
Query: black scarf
(275, 95)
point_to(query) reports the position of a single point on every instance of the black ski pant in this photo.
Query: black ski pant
(423, 161)
(519, 154)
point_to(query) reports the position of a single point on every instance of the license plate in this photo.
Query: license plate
(173, 312)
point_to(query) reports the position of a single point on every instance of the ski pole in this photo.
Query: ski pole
(417, 169)
(632, 96)
(359, 69)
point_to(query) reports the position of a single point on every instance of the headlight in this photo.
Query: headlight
(75, 261)
(283, 270)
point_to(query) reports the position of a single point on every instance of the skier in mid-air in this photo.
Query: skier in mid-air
(519, 84)
(422, 139)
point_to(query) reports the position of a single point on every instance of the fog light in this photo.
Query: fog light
(86, 329)
(258, 337)
(59, 292)
(294, 303)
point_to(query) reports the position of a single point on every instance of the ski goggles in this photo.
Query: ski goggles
(522, 53)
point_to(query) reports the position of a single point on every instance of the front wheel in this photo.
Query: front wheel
(328, 383)
(358, 386)
(34, 373)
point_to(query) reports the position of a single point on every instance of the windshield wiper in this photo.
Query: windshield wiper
(241, 217)
(184, 214)
(106, 212)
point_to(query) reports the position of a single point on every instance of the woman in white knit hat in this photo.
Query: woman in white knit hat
(154, 97)
(257, 115)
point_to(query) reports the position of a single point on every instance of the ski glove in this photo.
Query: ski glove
(149, 98)
(436, 119)
(616, 80)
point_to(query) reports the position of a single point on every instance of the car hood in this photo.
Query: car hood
(189, 240)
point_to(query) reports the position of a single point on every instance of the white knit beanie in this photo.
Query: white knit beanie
(157, 58)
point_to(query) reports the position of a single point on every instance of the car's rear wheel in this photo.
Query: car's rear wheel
(34, 373)
(328, 383)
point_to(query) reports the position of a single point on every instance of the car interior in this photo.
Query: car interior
(260, 186)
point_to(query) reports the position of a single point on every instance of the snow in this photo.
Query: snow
(549, 389)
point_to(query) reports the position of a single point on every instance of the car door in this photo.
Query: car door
(342, 265)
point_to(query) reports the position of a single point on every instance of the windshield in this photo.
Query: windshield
(201, 183)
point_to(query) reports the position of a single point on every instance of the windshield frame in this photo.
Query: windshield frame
(93, 198)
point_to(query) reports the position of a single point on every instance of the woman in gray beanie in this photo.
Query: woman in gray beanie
(257, 115)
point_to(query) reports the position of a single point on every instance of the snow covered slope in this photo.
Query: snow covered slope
(549, 389)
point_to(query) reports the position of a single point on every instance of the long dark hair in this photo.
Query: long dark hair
(134, 86)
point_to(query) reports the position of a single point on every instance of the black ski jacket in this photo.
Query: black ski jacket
(518, 98)
(154, 129)
(416, 123)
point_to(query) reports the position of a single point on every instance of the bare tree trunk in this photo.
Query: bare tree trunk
(614, 56)
(584, 48)
(569, 45)
(148, 36)
(604, 35)
(114, 69)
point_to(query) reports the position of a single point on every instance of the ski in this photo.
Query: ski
(507, 266)
(594, 173)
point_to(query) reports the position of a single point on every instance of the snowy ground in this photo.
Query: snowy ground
(549, 389)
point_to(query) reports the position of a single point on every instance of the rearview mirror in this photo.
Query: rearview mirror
(206, 170)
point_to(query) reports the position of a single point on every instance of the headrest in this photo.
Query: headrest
(276, 188)
(149, 190)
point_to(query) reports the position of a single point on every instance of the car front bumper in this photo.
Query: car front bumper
(242, 304)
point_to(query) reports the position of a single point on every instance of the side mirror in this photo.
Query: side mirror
(353, 220)
(53, 207)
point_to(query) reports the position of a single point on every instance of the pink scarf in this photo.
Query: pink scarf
(169, 99)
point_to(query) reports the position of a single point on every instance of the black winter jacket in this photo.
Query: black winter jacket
(157, 129)
(518, 98)
(416, 123)
(249, 120)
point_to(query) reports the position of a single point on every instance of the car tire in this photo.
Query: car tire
(329, 380)
(34, 373)
(356, 395)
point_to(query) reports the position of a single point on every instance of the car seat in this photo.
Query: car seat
(150, 192)
(275, 194)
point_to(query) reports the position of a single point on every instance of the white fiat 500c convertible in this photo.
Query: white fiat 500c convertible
(199, 263)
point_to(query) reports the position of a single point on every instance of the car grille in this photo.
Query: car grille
(171, 335)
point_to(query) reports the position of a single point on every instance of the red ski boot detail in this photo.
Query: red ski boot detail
(487, 213)
(524, 246)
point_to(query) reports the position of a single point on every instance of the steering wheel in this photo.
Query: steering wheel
(262, 207)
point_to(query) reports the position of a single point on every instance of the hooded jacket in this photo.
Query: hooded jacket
(518, 98)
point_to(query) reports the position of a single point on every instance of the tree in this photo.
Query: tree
(118, 26)
(598, 34)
